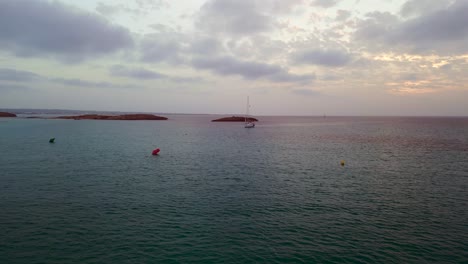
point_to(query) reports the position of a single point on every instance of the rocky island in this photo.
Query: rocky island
(5, 114)
(115, 117)
(235, 119)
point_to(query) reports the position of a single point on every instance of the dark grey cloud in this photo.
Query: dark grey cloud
(232, 66)
(27, 76)
(248, 69)
(243, 17)
(444, 31)
(421, 7)
(205, 46)
(43, 28)
(145, 74)
(376, 25)
(238, 17)
(286, 77)
(187, 79)
(325, 3)
(136, 73)
(161, 47)
(17, 75)
(7, 87)
(329, 58)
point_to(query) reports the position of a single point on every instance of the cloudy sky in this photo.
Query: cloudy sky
(292, 57)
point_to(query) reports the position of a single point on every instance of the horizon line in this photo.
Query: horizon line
(181, 113)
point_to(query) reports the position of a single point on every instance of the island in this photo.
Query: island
(5, 114)
(235, 119)
(115, 117)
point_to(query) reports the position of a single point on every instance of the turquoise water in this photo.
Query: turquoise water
(220, 193)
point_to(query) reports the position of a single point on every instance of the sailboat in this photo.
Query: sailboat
(248, 123)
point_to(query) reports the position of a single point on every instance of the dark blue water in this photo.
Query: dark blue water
(220, 193)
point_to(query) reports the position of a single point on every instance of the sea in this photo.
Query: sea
(290, 190)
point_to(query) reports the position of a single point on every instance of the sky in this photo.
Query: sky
(291, 57)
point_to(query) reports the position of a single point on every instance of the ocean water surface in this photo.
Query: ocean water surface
(220, 193)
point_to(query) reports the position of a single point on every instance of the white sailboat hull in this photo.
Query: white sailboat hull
(249, 125)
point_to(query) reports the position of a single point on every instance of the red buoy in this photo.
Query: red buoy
(156, 151)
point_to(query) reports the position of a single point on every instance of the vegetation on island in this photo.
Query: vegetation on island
(115, 117)
(235, 119)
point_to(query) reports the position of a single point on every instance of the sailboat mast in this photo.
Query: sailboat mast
(247, 111)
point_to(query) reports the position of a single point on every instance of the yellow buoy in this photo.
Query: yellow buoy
(342, 162)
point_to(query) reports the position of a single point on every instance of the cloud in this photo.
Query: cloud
(161, 47)
(249, 70)
(135, 73)
(409, 77)
(281, 6)
(7, 87)
(231, 66)
(421, 7)
(17, 75)
(205, 46)
(243, 17)
(375, 26)
(325, 3)
(108, 10)
(91, 84)
(233, 16)
(187, 79)
(144, 74)
(139, 7)
(328, 58)
(286, 77)
(42, 28)
(331, 77)
(342, 15)
(305, 92)
(26, 76)
(443, 32)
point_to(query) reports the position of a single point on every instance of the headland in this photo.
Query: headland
(6, 114)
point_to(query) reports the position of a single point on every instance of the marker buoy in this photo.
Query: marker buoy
(156, 151)
(342, 162)
(51, 140)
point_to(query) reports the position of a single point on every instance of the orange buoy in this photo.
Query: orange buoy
(156, 151)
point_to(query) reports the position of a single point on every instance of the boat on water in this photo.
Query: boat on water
(248, 121)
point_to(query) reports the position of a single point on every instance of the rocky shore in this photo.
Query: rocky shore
(5, 114)
(235, 119)
(117, 117)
